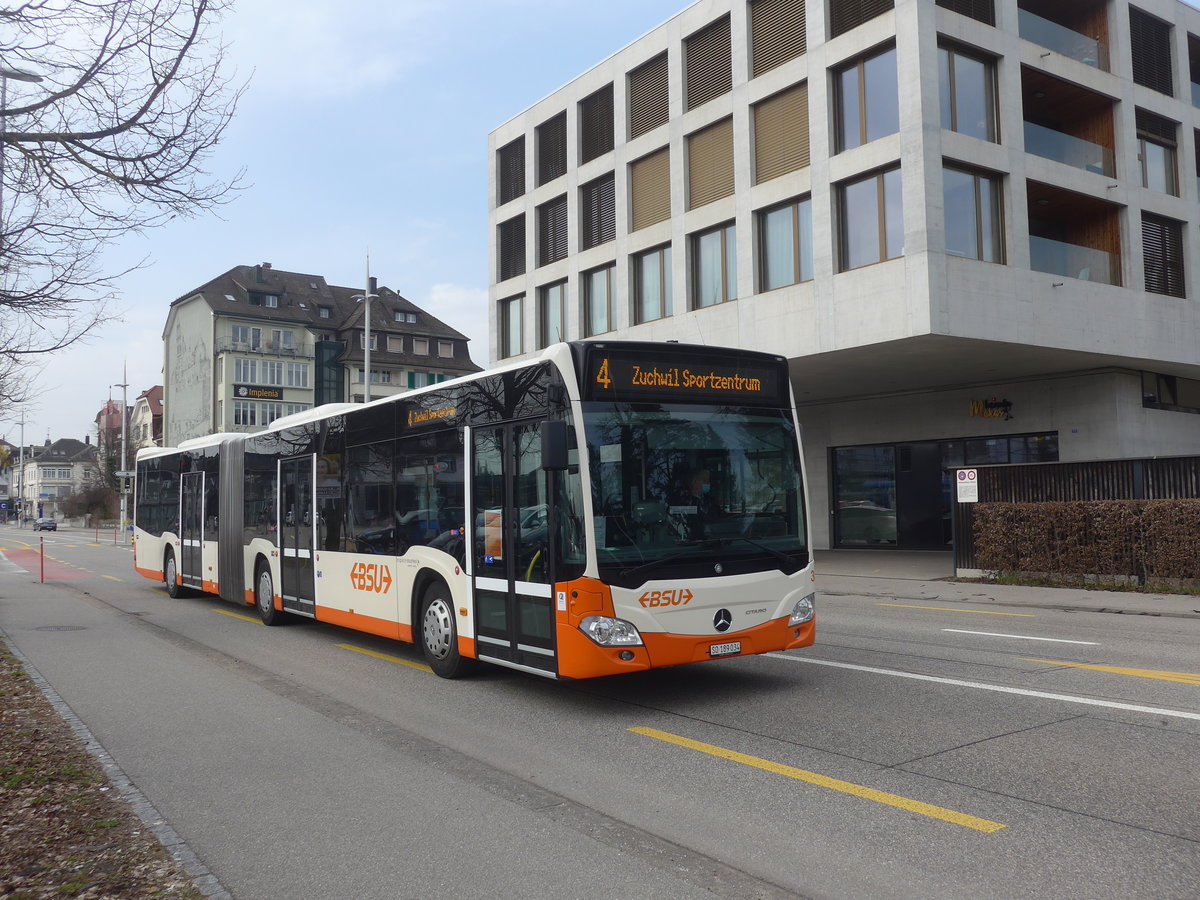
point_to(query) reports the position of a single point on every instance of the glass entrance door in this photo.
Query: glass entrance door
(512, 511)
(191, 529)
(297, 518)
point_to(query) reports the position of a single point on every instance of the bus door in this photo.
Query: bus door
(514, 606)
(297, 521)
(191, 529)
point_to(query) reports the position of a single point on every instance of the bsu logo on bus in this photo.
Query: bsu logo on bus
(373, 577)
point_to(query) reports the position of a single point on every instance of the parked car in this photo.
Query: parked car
(45, 525)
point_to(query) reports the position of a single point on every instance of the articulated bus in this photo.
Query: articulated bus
(603, 508)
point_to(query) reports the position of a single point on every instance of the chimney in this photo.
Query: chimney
(372, 285)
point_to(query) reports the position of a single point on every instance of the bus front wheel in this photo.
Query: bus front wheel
(171, 575)
(439, 634)
(264, 596)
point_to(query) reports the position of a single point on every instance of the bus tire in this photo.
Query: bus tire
(171, 575)
(264, 596)
(438, 634)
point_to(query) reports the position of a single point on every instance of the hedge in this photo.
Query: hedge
(1142, 539)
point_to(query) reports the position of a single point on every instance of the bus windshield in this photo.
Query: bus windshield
(676, 489)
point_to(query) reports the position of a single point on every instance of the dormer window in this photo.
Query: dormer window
(271, 300)
(324, 312)
(405, 317)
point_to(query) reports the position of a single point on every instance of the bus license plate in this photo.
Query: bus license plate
(725, 649)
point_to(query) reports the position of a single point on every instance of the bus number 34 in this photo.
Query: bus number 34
(680, 597)
(374, 577)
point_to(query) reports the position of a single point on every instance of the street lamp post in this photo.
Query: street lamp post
(366, 297)
(124, 473)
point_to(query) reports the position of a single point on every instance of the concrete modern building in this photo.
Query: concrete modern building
(257, 343)
(970, 225)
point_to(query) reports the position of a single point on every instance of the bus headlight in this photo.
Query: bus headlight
(610, 632)
(804, 610)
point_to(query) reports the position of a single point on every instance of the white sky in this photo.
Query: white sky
(364, 130)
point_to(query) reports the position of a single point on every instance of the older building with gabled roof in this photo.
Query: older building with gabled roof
(257, 343)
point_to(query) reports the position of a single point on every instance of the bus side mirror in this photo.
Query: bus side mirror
(554, 445)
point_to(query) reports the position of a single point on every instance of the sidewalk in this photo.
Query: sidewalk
(928, 576)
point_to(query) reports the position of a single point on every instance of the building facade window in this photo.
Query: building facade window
(245, 371)
(781, 133)
(272, 372)
(362, 340)
(847, 14)
(777, 33)
(596, 124)
(1162, 253)
(868, 105)
(650, 190)
(710, 164)
(983, 10)
(1157, 141)
(297, 375)
(598, 211)
(510, 171)
(597, 300)
(510, 255)
(1150, 49)
(395, 343)
(714, 266)
(283, 340)
(871, 220)
(420, 346)
(445, 349)
(510, 319)
(552, 303)
(247, 336)
(269, 411)
(552, 231)
(708, 59)
(245, 412)
(652, 284)
(649, 96)
(408, 318)
(290, 409)
(973, 215)
(967, 89)
(552, 149)
(785, 244)
(324, 312)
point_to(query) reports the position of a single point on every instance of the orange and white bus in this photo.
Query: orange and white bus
(605, 507)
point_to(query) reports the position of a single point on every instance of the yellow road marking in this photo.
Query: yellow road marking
(420, 667)
(979, 612)
(846, 787)
(1181, 677)
(234, 615)
(113, 578)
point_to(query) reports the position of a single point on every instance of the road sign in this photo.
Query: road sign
(968, 485)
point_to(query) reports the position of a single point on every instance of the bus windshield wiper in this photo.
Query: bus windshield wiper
(709, 544)
(671, 557)
(778, 554)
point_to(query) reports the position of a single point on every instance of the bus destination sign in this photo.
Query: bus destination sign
(613, 374)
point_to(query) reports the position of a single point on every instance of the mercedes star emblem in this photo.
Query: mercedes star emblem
(722, 620)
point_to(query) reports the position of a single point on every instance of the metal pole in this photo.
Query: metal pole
(21, 473)
(124, 453)
(367, 351)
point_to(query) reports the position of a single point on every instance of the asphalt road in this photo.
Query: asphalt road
(920, 749)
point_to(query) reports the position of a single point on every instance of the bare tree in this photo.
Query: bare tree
(111, 110)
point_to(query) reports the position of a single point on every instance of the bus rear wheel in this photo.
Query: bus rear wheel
(264, 596)
(439, 634)
(171, 575)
